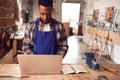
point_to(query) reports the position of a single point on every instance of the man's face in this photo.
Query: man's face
(45, 13)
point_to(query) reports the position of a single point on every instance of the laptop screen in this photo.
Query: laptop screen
(40, 64)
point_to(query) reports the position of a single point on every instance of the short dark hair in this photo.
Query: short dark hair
(45, 3)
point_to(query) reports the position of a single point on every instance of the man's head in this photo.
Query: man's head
(45, 8)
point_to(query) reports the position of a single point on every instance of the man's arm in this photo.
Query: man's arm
(28, 40)
(62, 42)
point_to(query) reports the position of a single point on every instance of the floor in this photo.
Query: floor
(76, 52)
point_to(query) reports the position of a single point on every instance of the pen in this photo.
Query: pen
(110, 70)
(14, 76)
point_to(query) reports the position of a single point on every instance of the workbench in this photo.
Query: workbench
(13, 73)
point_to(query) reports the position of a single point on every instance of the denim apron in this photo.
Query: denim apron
(44, 42)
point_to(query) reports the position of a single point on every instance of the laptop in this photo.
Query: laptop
(40, 64)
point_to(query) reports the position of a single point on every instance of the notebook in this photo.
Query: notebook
(40, 64)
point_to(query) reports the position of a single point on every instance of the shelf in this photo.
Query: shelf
(11, 1)
(9, 26)
(7, 17)
(7, 13)
(7, 8)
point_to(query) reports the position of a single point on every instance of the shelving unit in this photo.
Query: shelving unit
(7, 13)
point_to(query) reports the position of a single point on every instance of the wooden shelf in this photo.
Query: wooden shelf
(7, 8)
(7, 13)
(6, 17)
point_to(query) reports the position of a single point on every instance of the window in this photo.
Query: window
(71, 13)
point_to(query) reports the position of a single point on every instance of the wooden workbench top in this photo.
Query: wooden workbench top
(14, 70)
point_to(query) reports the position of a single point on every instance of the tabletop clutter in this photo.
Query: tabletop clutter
(92, 63)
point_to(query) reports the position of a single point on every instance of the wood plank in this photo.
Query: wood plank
(91, 31)
(114, 37)
(102, 33)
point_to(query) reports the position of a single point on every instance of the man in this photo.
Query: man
(45, 35)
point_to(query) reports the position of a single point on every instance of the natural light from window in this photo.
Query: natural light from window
(71, 13)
